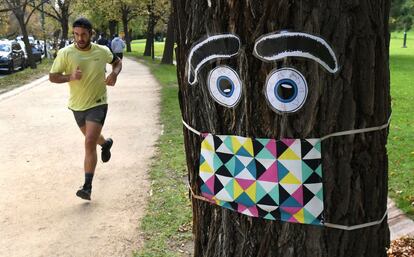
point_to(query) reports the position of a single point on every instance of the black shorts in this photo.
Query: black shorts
(95, 114)
(120, 55)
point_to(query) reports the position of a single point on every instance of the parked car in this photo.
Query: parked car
(37, 53)
(11, 55)
(23, 47)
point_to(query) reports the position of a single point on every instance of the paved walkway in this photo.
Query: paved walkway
(41, 167)
(399, 224)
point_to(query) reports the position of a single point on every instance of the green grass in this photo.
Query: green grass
(167, 223)
(138, 47)
(401, 138)
(25, 76)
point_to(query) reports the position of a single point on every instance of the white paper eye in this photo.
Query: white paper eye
(286, 90)
(225, 86)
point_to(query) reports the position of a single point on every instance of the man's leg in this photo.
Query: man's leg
(101, 139)
(92, 132)
(106, 145)
(90, 123)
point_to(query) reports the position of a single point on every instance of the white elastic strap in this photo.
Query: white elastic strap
(364, 225)
(357, 131)
(190, 128)
(337, 134)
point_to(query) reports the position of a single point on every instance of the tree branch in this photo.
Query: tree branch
(6, 10)
(35, 7)
(55, 16)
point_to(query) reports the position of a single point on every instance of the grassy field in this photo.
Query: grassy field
(138, 47)
(25, 76)
(401, 138)
(167, 223)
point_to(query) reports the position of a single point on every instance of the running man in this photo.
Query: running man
(82, 65)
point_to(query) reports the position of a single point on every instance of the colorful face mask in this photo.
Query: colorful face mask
(275, 179)
(267, 178)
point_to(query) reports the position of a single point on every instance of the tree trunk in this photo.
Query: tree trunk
(126, 31)
(358, 96)
(64, 23)
(25, 34)
(112, 27)
(168, 55)
(150, 33)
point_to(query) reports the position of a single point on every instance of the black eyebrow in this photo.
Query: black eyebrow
(277, 46)
(213, 47)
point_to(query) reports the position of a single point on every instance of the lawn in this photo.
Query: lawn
(167, 223)
(138, 47)
(401, 138)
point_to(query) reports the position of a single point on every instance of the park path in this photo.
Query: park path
(41, 167)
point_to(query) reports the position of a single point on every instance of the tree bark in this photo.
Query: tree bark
(127, 14)
(168, 54)
(150, 32)
(25, 34)
(126, 31)
(64, 23)
(358, 96)
(112, 27)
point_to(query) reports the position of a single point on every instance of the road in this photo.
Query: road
(41, 168)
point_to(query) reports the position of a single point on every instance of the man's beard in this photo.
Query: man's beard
(83, 44)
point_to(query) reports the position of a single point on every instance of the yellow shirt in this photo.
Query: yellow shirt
(90, 90)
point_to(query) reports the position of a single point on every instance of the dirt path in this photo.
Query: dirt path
(41, 167)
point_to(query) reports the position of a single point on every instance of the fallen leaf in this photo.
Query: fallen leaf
(401, 247)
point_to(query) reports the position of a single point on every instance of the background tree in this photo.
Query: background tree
(114, 11)
(60, 10)
(158, 10)
(4, 21)
(402, 14)
(168, 54)
(23, 11)
(129, 10)
(355, 167)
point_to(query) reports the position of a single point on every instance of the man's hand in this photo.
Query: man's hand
(76, 75)
(111, 79)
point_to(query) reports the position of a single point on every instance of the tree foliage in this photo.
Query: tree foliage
(402, 14)
(103, 11)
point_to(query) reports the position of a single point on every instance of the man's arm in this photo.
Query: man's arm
(60, 78)
(116, 69)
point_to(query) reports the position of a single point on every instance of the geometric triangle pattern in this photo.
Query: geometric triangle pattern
(266, 178)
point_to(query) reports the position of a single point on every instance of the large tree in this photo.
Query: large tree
(357, 96)
(113, 11)
(60, 10)
(168, 53)
(129, 10)
(157, 10)
(23, 11)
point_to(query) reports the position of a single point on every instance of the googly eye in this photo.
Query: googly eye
(225, 86)
(286, 90)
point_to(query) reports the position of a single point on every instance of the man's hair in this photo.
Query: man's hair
(83, 23)
(115, 35)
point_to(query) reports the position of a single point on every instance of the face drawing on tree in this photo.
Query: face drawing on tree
(276, 179)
